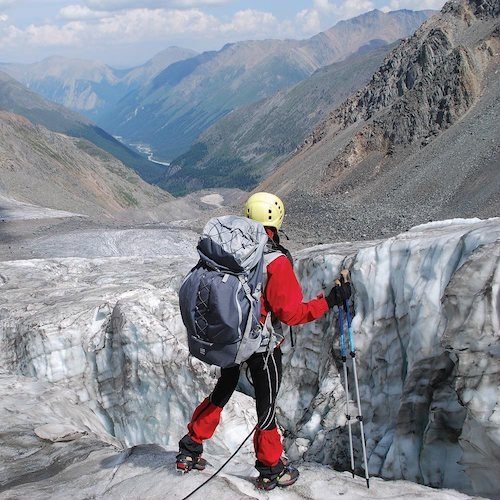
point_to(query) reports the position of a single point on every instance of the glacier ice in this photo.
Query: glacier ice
(418, 343)
(102, 340)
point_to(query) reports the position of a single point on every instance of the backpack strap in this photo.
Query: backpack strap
(248, 327)
(274, 245)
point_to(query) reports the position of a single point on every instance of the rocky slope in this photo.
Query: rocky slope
(104, 334)
(16, 98)
(419, 142)
(89, 87)
(61, 172)
(189, 96)
(243, 147)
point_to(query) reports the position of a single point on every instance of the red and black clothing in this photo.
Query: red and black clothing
(283, 297)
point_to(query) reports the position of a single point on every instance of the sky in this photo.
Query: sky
(125, 33)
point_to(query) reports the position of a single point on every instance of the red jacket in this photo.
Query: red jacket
(283, 296)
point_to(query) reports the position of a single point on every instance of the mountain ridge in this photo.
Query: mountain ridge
(171, 117)
(411, 145)
(246, 145)
(56, 171)
(89, 86)
(16, 98)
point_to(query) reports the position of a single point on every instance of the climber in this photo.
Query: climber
(281, 306)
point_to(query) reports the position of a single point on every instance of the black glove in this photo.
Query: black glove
(339, 294)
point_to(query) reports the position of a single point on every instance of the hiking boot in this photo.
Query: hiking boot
(184, 463)
(286, 477)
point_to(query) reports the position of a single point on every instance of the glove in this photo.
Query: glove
(339, 293)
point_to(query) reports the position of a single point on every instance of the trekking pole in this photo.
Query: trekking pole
(359, 417)
(343, 353)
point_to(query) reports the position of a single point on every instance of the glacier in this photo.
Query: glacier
(97, 384)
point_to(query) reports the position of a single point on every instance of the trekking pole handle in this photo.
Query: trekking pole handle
(345, 275)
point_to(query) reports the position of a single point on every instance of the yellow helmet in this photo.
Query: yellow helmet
(265, 208)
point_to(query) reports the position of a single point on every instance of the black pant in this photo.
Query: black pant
(266, 382)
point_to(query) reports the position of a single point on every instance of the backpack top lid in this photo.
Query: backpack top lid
(232, 243)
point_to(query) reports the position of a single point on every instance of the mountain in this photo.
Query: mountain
(89, 87)
(66, 173)
(244, 146)
(419, 142)
(81, 85)
(187, 97)
(14, 97)
(142, 74)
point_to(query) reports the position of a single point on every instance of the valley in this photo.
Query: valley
(381, 135)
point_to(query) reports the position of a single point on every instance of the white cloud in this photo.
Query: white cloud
(6, 3)
(250, 21)
(323, 6)
(140, 24)
(3, 18)
(83, 25)
(81, 12)
(413, 4)
(199, 3)
(150, 4)
(310, 20)
(45, 35)
(351, 8)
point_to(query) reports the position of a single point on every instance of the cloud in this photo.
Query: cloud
(345, 9)
(3, 18)
(250, 21)
(6, 3)
(103, 5)
(45, 35)
(413, 4)
(140, 24)
(199, 3)
(82, 25)
(309, 20)
(81, 12)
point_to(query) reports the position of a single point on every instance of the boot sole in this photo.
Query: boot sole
(271, 486)
(185, 470)
(287, 483)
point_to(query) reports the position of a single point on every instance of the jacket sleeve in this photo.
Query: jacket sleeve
(284, 297)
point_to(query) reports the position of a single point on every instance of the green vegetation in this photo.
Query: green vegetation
(247, 144)
(92, 150)
(194, 156)
(129, 199)
(219, 172)
(45, 150)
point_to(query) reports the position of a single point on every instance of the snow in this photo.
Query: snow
(95, 466)
(214, 199)
(94, 343)
(58, 432)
